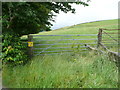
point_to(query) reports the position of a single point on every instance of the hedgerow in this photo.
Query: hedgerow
(13, 51)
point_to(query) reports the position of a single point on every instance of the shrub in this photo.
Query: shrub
(13, 50)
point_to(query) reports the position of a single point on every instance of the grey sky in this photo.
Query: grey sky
(97, 10)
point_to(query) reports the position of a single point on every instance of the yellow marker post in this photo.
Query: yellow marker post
(30, 44)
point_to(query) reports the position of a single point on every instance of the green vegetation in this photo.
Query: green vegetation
(23, 18)
(63, 71)
(26, 18)
(76, 70)
(13, 50)
(86, 28)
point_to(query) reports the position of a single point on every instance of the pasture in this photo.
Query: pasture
(71, 70)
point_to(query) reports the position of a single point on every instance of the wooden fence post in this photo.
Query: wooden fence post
(99, 38)
(30, 46)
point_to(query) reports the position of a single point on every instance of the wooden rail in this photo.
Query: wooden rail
(93, 49)
(114, 56)
(103, 31)
(109, 29)
(110, 36)
(111, 54)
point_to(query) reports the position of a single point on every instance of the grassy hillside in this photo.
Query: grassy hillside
(86, 28)
(76, 70)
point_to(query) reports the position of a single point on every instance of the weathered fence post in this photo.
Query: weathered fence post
(30, 46)
(99, 37)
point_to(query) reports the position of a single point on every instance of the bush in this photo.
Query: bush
(13, 50)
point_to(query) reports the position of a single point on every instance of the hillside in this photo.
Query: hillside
(71, 70)
(85, 28)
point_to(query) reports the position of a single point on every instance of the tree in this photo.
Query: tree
(22, 18)
(32, 17)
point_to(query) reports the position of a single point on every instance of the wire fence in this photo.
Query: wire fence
(109, 38)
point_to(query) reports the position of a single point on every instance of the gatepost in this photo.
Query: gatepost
(30, 46)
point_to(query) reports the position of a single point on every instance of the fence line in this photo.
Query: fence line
(69, 35)
(110, 36)
(100, 36)
(63, 44)
(39, 50)
(112, 33)
(68, 49)
(99, 40)
(111, 54)
(109, 42)
(60, 47)
(66, 39)
(48, 47)
(109, 29)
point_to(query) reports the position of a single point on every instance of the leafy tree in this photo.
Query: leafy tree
(22, 18)
(32, 17)
(13, 51)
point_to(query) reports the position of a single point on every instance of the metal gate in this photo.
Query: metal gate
(61, 44)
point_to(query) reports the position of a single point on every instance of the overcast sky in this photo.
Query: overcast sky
(97, 10)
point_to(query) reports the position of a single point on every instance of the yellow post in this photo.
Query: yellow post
(30, 46)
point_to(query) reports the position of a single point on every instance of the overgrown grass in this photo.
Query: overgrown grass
(76, 70)
(63, 71)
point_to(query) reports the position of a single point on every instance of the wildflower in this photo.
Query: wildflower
(74, 59)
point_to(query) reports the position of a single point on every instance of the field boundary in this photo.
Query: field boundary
(107, 35)
(66, 40)
(41, 48)
(114, 40)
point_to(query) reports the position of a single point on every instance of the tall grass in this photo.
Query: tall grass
(63, 71)
(76, 70)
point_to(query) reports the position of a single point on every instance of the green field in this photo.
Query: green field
(76, 70)
(86, 28)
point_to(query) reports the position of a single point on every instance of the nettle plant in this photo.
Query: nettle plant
(13, 50)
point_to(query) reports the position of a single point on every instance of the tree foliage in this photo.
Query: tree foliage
(13, 50)
(22, 18)
(32, 17)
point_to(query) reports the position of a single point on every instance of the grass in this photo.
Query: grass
(63, 71)
(86, 28)
(75, 70)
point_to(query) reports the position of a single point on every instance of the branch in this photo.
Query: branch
(11, 17)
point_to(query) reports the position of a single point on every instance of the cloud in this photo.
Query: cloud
(97, 10)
